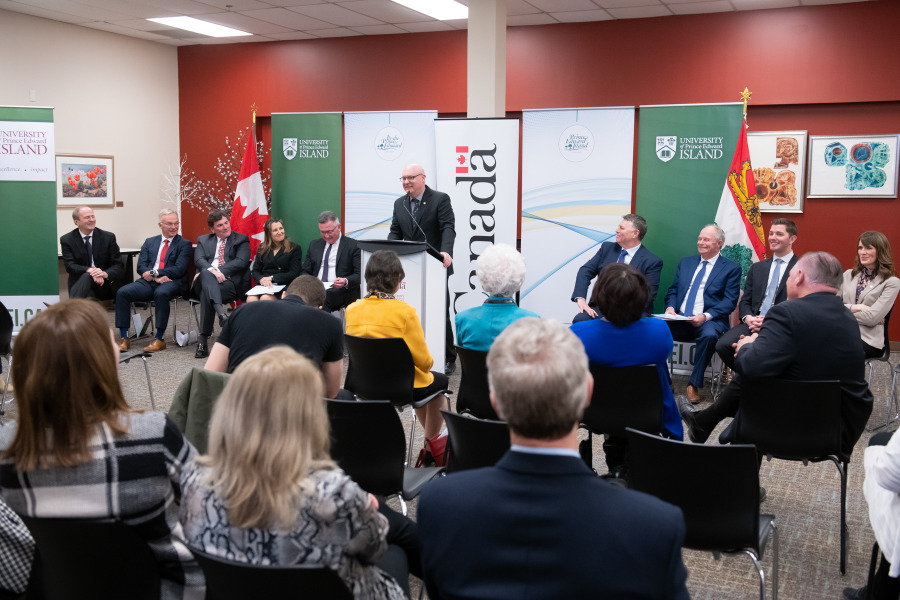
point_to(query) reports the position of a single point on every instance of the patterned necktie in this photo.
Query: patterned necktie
(325, 263)
(414, 207)
(622, 256)
(221, 255)
(162, 255)
(773, 286)
(692, 294)
(90, 251)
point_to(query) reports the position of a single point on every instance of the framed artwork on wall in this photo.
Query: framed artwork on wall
(779, 162)
(84, 179)
(853, 166)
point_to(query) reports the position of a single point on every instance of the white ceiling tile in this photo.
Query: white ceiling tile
(287, 18)
(384, 29)
(538, 19)
(457, 23)
(581, 16)
(760, 4)
(244, 23)
(92, 13)
(552, 6)
(424, 26)
(337, 32)
(236, 5)
(520, 7)
(693, 8)
(337, 15)
(293, 3)
(640, 12)
(46, 13)
(386, 11)
(819, 2)
(128, 31)
(626, 3)
(292, 35)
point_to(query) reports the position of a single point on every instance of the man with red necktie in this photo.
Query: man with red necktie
(162, 265)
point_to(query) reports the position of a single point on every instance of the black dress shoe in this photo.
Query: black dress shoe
(697, 434)
(762, 494)
(450, 368)
(855, 593)
(202, 350)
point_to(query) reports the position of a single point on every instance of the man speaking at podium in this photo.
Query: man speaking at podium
(423, 214)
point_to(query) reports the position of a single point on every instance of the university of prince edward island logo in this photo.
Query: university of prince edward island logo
(666, 146)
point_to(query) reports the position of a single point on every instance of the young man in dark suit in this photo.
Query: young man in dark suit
(91, 257)
(223, 273)
(705, 289)
(341, 269)
(811, 336)
(626, 249)
(423, 214)
(540, 523)
(162, 265)
(765, 286)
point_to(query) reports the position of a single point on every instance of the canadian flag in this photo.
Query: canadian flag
(249, 213)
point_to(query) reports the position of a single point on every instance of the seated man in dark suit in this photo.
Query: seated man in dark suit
(705, 289)
(627, 249)
(341, 264)
(541, 524)
(162, 265)
(811, 336)
(223, 273)
(91, 257)
(765, 286)
(298, 323)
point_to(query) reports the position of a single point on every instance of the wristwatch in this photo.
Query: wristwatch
(154, 273)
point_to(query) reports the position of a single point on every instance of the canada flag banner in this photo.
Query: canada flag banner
(249, 212)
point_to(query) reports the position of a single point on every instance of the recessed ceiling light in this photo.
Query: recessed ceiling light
(443, 10)
(198, 26)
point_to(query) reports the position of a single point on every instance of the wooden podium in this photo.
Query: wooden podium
(424, 287)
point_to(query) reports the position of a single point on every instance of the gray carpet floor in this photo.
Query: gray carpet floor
(805, 499)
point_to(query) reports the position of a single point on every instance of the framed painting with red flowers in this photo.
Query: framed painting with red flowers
(84, 179)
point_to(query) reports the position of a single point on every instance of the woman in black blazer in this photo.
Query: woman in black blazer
(278, 260)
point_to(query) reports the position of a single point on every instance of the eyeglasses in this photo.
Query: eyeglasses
(330, 231)
(412, 177)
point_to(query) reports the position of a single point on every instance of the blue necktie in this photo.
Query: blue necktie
(770, 293)
(622, 256)
(89, 250)
(692, 293)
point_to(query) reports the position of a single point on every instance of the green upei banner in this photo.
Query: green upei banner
(684, 153)
(306, 171)
(29, 275)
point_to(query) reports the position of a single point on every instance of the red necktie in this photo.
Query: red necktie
(162, 256)
(221, 255)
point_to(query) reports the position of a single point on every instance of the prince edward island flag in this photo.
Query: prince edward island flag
(738, 212)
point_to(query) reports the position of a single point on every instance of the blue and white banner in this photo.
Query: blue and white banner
(576, 185)
(377, 147)
(478, 166)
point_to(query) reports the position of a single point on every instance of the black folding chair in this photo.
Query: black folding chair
(717, 489)
(796, 420)
(893, 407)
(367, 442)
(229, 580)
(6, 334)
(623, 397)
(383, 369)
(88, 559)
(474, 396)
(474, 443)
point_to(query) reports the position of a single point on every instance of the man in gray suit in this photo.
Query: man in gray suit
(223, 273)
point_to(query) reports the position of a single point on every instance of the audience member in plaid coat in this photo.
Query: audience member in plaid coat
(16, 551)
(78, 450)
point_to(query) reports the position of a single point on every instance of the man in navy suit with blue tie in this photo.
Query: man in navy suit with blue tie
(627, 249)
(162, 265)
(540, 523)
(705, 290)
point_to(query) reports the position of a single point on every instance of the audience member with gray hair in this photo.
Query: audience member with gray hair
(792, 343)
(501, 271)
(540, 523)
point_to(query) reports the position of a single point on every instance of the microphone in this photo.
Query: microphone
(416, 223)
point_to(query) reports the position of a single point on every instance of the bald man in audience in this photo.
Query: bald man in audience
(296, 321)
(91, 257)
(540, 523)
(811, 336)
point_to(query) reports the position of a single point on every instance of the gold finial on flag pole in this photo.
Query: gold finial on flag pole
(745, 95)
(254, 107)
